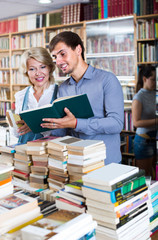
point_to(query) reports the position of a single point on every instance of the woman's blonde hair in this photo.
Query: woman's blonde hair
(41, 55)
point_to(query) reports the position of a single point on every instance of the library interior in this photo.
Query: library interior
(79, 120)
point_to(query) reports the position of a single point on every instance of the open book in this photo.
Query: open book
(79, 106)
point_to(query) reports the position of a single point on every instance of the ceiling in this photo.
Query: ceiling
(14, 8)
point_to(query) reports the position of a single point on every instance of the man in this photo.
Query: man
(102, 88)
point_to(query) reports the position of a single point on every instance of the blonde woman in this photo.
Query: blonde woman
(37, 65)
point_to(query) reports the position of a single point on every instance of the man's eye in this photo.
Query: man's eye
(43, 67)
(31, 69)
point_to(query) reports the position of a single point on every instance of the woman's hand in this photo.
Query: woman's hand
(24, 129)
(69, 121)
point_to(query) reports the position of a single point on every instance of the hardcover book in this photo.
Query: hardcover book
(79, 106)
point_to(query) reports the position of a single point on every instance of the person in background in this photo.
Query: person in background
(37, 65)
(143, 115)
(103, 90)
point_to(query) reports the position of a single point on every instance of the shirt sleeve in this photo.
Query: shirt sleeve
(113, 104)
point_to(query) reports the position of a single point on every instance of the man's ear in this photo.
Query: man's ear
(79, 49)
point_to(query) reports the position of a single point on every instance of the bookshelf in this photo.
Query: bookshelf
(110, 46)
(147, 39)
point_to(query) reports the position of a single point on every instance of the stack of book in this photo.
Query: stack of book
(62, 225)
(57, 161)
(71, 198)
(22, 164)
(117, 196)
(17, 209)
(85, 156)
(39, 170)
(6, 185)
(7, 154)
(153, 207)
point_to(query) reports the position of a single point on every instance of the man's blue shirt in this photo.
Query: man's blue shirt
(106, 98)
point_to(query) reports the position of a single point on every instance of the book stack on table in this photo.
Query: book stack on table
(6, 185)
(153, 207)
(6, 155)
(117, 196)
(57, 161)
(71, 198)
(39, 169)
(85, 156)
(22, 164)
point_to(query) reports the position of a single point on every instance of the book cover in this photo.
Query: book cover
(127, 185)
(14, 205)
(79, 106)
(110, 174)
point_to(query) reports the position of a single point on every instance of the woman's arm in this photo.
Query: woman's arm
(136, 116)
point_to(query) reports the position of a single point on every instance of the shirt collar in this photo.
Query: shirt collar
(87, 75)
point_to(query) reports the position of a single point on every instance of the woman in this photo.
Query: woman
(143, 114)
(37, 65)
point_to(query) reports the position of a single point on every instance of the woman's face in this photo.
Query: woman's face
(150, 83)
(38, 73)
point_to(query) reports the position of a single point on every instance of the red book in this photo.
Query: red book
(102, 9)
(109, 8)
(3, 27)
(155, 6)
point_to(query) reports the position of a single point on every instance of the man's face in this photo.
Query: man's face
(66, 58)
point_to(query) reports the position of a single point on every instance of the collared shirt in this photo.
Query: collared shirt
(32, 103)
(106, 98)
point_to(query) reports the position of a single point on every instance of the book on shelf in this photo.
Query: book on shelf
(33, 117)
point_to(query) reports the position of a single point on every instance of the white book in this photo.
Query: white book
(5, 168)
(110, 174)
(84, 144)
(87, 156)
(62, 142)
(86, 162)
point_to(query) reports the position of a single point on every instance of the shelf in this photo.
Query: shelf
(141, 63)
(147, 16)
(109, 54)
(4, 69)
(5, 85)
(19, 49)
(4, 50)
(128, 154)
(21, 85)
(28, 31)
(147, 40)
(2, 100)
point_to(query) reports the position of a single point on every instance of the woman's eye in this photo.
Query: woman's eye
(43, 67)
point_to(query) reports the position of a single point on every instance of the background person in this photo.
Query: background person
(102, 88)
(143, 115)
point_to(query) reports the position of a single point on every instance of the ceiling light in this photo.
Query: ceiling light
(45, 1)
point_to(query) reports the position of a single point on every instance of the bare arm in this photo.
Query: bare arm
(136, 116)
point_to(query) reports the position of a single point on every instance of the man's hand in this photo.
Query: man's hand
(24, 129)
(69, 121)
